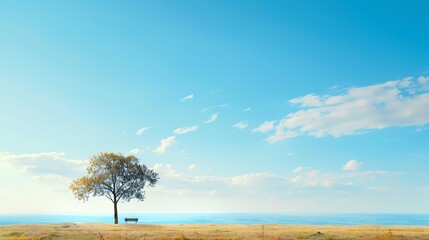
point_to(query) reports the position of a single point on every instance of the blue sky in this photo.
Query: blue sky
(246, 106)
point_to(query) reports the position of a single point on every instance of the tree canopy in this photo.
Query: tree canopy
(117, 177)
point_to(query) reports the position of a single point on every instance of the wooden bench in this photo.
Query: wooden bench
(131, 220)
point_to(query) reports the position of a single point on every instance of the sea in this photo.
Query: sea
(231, 218)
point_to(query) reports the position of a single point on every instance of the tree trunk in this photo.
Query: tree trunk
(115, 206)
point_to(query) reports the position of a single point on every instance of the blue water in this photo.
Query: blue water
(296, 219)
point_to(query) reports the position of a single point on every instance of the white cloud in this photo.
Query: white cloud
(314, 178)
(241, 125)
(264, 183)
(348, 183)
(298, 169)
(192, 166)
(263, 191)
(360, 109)
(43, 165)
(49, 177)
(142, 130)
(165, 143)
(185, 130)
(257, 179)
(246, 109)
(216, 106)
(189, 97)
(309, 100)
(352, 165)
(173, 181)
(281, 135)
(310, 178)
(423, 80)
(167, 170)
(379, 188)
(265, 127)
(327, 184)
(296, 179)
(205, 109)
(212, 118)
(135, 151)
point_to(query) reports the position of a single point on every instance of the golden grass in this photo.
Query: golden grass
(208, 231)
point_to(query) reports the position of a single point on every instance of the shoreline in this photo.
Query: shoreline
(215, 224)
(210, 231)
(226, 218)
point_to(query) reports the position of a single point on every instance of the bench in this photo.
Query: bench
(131, 220)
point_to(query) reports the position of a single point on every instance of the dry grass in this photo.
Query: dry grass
(209, 231)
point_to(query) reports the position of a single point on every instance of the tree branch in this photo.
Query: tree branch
(108, 187)
(120, 188)
(109, 197)
(124, 191)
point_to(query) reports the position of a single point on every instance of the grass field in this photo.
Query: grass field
(208, 231)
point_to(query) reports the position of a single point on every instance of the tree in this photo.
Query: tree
(116, 177)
